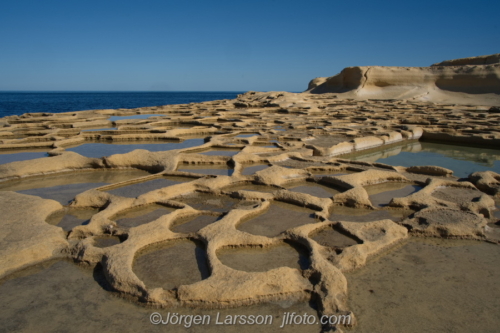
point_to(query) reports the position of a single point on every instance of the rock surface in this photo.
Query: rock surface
(468, 80)
(298, 139)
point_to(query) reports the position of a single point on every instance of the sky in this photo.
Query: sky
(277, 45)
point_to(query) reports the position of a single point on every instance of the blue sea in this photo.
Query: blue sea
(17, 103)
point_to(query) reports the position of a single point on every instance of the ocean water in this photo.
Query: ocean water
(17, 103)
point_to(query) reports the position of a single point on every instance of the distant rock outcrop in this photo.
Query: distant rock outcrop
(481, 60)
(461, 80)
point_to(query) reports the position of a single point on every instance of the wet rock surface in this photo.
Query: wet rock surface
(262, 205)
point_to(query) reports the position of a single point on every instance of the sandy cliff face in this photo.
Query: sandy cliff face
(468, 80)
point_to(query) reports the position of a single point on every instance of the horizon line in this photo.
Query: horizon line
(123, 91)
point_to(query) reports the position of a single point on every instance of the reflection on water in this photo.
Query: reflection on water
(65, 186)
(137, 189)
(276, 219)
(172, 264)
(141, 215)
(58, 296)
(440, 281)
(463, 160)
(68, 218)
(106, 149)
(14, 156)
(253, 259)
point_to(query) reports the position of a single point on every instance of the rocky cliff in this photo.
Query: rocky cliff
(461, 80)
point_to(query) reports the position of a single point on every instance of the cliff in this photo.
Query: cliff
(463, 80)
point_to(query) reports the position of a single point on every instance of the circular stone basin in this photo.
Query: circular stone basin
(250, 170)
(333, 237)
(257, 259)
(141, 215)
(135, 190)
(106, 241)
(457, 194)
(172, 264)
(69, 218)
(348, 214)
(382, 194)
(315, 189)
(216, 170)
(278, 218)
(193, 223)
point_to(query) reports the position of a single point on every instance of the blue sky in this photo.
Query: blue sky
(228, 45)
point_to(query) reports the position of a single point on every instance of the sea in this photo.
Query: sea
(17, 103)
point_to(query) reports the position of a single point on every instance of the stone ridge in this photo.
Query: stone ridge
(298, 138)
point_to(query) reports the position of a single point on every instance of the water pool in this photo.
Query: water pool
(463, 160)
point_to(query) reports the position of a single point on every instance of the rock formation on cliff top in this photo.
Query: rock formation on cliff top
(466, 81)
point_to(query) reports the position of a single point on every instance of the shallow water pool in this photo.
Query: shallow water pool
(107, 149)
(11, 156)
(63, 187)
(463, 160)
